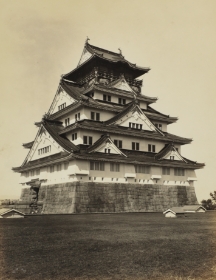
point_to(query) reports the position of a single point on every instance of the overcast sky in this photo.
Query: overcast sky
(41, 40)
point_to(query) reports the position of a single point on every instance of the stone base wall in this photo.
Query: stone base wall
(89, 197)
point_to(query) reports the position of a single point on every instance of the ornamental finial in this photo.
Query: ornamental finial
(120, 51)
(87, 39)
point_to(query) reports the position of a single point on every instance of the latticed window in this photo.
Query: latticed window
(165, 171)
(62, 106)
(122, 101)
(135, 146)
(114, 167)
(142, 169)
(77, 117)
(97, 165)
(44, 150)
(95, 116)
(67, 121)
(135, 125)
(74, 136)
(52, 168)
(59, 167)
(151, 148)
(118, 143)
(32, 172)
(87, 140)
(179, 172)
(107, 97)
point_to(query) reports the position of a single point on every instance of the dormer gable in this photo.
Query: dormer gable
(105, 145)
(171, 153)
(44, 145)
(132, 116)
(121, 84)
(49, 142)
(85, 56)
(61, 100)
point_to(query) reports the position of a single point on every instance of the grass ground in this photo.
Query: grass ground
(109, 246)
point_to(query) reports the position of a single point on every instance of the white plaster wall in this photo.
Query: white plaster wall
(126, 140)
(55, 148)
(164, 125)
(104, 115)
(115, 98)
(61, 98)
(80, 170)
(71, 116)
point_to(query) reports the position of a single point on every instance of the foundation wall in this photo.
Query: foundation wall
(91, 197)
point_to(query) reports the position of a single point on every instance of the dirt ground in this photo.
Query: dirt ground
(109, 246)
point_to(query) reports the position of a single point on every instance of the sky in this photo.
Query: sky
(41, 40)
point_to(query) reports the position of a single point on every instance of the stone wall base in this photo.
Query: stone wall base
(89, 197)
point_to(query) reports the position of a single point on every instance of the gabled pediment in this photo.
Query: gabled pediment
(105, 145)
(61, 100)
(44, 145)
(121, 84)
(133, 117)
(85, 56)
(171, 153)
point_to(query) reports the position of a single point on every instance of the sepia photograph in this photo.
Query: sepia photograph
(107, 147)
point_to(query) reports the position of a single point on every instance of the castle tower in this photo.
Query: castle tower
(102, 147)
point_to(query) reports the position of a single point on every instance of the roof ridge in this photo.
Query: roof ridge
(101, 49)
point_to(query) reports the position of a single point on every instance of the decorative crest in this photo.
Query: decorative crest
(87, 39)
(120, 51)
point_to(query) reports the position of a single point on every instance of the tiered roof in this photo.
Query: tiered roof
(82, 98)
(95, 56)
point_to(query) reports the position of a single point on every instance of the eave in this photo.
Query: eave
(123, 93)
(136, 160)
(42, 162)
(115, 129)
(96, 60)
(28, 145)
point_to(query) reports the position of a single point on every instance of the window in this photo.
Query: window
(151, 148)
(122, 101)
(135, 146)
(27, 174)
(135, 125)
(44, 150)
(32, 172)
(59, 167)
(52, 168)
(107, 151)
(179, 172)
(74, 136)
(106, 97)
(77, 117)
(67, 121)
(118, 143)
(62, 106)
(158, 125)
(87, 140)
(172, 157)
(95, 116)
(165, 171)
(142, 169)
(97, 165)
(115, 167)
(37, 171)
(66, 165)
